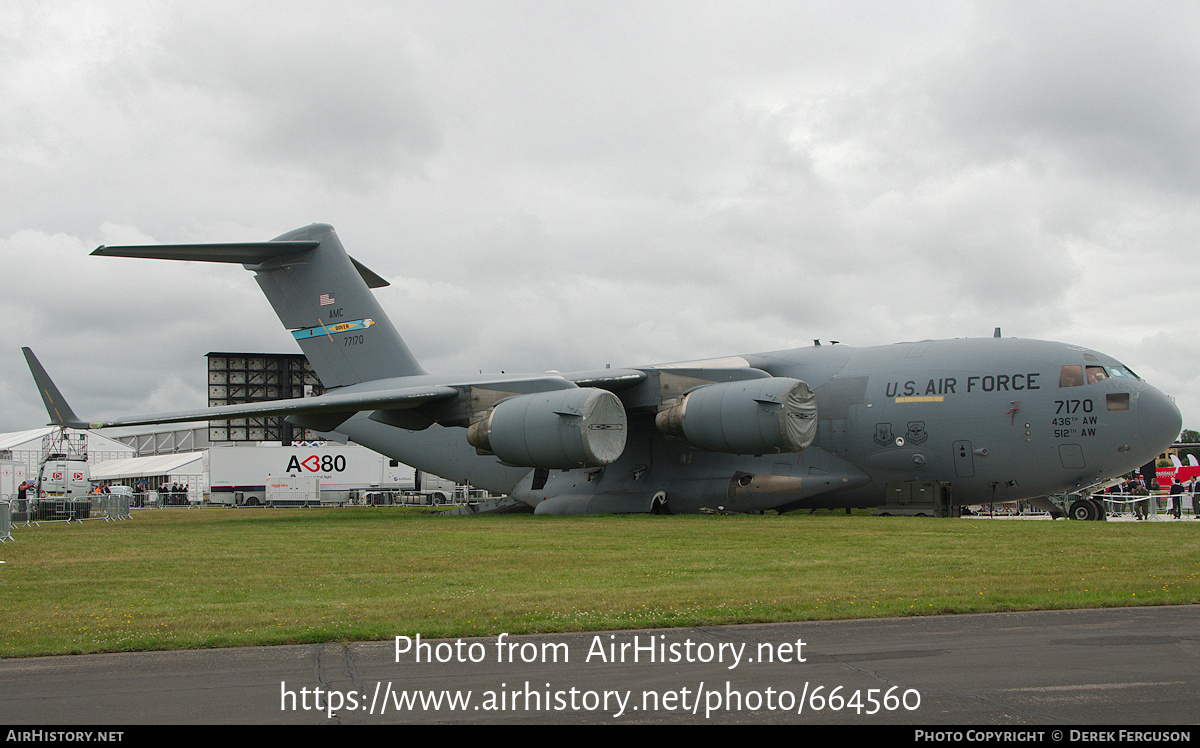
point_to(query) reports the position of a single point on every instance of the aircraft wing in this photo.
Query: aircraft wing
(687, 374)
(335, 407)
(56, 405)
(330, 408)
(613, 380)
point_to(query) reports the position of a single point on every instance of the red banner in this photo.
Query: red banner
(1167, 474)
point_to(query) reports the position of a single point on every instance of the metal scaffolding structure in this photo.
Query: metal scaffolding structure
(235, 378)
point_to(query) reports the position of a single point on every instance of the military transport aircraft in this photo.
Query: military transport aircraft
(989, 419)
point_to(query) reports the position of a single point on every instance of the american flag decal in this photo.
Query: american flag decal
(326, 299)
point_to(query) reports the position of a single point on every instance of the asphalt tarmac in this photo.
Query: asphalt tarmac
(1121, 668)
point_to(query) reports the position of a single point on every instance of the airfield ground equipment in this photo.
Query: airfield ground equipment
(63, 479)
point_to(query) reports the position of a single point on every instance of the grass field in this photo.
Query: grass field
(171, 579)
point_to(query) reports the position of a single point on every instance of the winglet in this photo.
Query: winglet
(60, 413)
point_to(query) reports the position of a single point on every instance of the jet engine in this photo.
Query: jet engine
(756, 416)
(554, 430)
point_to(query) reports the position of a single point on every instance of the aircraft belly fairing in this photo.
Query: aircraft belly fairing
(672, 477)
(994, 419)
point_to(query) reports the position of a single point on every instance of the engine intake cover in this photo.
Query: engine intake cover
(758, 416)
(555, 430)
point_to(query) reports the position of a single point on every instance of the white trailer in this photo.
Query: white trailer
(345, 472)
(293, 490)
(12, 475)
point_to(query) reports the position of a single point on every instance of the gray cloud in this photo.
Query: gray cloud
(569, 184)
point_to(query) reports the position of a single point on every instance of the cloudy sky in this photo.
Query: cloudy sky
(562, 185)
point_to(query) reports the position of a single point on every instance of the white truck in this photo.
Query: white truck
(344, 473)
(62, 489)
(431, 489)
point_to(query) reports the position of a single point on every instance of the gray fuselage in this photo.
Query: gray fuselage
(998, 419)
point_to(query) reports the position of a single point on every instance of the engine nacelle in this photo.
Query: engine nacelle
(554, 430)
(750, 417)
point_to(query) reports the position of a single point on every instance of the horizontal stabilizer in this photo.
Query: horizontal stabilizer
(246, 253)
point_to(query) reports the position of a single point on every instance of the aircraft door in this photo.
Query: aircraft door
(964, 460)
(1071, 456)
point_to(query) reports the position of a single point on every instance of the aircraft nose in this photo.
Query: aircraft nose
(1159, 421)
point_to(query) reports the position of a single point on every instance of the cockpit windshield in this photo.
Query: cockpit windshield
(1076, 375)
(1071, 376)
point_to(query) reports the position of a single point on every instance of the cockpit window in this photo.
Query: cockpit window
(1071, 376)
(1121, 371)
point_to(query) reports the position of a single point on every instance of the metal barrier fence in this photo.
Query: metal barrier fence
(18, 511)
(161, 499)
(114, 506)
(30, 512)
(1154, 504)
(57, 510)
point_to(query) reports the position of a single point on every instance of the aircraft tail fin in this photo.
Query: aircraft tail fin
(56, 405)
(321, 295)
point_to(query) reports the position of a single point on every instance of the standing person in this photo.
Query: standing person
(1138, 489)
(1148, 474)
(1195, 489)
(1176, 499)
